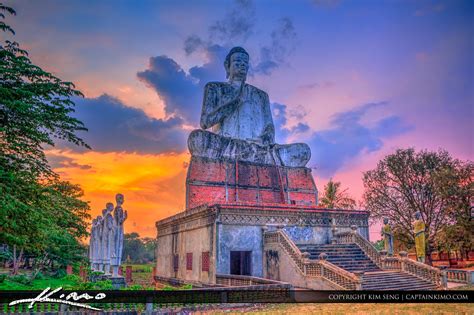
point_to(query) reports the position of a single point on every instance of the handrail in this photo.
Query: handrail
(421, 270)
(314, 268)
(461, 276)
(401, 263)
(364, 244)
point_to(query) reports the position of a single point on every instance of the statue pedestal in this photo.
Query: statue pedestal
(118, 282)
(94, 277)
(212, 181)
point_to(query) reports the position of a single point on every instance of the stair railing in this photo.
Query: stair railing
(366, 246)
(313, 268)
(402, 263)
(421, 270)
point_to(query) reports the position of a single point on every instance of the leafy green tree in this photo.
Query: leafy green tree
(139, 250)
(335, 198)
(433, 183)
(39, 213)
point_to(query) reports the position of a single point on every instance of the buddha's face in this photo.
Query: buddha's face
(239, 66)
(417, 215)
(385, 221)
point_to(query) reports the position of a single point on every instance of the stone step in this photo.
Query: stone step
(350, 257)
(399, 280)
(401, 288)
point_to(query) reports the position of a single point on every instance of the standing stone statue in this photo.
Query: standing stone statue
(107, 237)
(387, 236)
(419, 231)
(240, 120)
(91, 243)
(97, 260)
(119, 218)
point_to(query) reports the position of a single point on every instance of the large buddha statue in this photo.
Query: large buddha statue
(239, 117)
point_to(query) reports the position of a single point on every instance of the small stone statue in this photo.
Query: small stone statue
(91, 243)
(94, 243)
(419, 231)
(97, 245)
(387, 236)
(107, 237)
(119, 218)
(240, 118)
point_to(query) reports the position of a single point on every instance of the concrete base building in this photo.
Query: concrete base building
(249, 220)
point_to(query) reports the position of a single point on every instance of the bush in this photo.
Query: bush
(134, 287)
(2, 277)
(39, 276)
(22, 279)
(60, 273)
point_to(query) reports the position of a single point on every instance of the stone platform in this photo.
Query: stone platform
(199, 243)
(225, 181)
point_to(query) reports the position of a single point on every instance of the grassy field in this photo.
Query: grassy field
(40, 284)
(356, 309)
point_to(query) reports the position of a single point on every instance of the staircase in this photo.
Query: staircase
(394, 280)
(350, 257)
(346, 256)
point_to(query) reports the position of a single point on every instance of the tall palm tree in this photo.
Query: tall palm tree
(335, 198)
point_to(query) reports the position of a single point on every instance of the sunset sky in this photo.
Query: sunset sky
(354, 79)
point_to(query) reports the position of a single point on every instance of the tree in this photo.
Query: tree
(433, 183)
(335, 198)
(140, 250)
(39, 213)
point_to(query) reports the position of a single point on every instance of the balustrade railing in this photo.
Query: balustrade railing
(421, 270)
(401, 263)
(366, 246)
(313, 268)
(238, 280)
(460, 276)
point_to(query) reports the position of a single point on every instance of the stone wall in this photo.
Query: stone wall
(239, 238)
(279, 266)
(187, 244)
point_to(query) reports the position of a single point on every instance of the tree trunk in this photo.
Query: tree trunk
(15, 268)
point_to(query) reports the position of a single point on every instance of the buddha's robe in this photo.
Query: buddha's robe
(247, 133)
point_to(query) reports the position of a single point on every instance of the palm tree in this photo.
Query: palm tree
(335, 198)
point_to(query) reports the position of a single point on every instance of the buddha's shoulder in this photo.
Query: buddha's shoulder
(225, 87)
(256, 90)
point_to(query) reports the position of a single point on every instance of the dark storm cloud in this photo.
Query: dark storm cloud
(193, 43)
(113, 126)
(182, 93)
(237, 24)
(282, 44)
(58, 161)
(348, 137)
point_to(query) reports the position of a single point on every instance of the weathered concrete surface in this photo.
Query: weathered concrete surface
(287, 270)
(239, 238)
(222, 228)
(207, 144)
(194, 241)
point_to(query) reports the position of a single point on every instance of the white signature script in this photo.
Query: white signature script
(46, 294)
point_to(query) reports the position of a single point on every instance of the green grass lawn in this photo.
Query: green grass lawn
(40, 284)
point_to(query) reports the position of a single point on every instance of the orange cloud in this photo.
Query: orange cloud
(153, 184)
